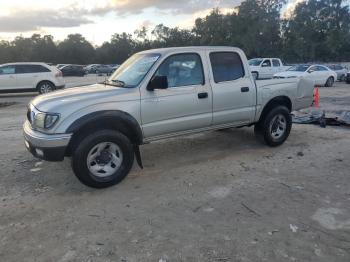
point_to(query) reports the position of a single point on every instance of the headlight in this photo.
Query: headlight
(45, 120)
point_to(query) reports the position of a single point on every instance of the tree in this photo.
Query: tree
(75, 49)
(318, 31)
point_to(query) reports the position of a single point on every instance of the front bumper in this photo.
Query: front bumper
(44, 146)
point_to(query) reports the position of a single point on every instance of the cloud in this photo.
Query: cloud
(188, 23)
(18, 16)
(179, 6)
(23, 21)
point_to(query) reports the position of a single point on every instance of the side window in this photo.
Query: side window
(27, 69)
(313, 69)
(182, 70)
(338, 67)
(7, 70)
(266, 63)
(40, 69)
(321, 68)
(276, 63)
(227, 66)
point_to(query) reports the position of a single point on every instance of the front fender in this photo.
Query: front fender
(115, 119)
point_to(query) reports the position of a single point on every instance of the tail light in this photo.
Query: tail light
(58, 74)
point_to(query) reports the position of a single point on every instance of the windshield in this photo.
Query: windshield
(299, 68)
(133, 70)
(255, 62)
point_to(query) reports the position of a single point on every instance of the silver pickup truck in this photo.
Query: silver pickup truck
(157, 94)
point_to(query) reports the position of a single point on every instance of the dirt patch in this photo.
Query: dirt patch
(6, 104)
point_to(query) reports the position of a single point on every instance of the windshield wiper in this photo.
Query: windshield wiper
(119, 82)
(116, 83)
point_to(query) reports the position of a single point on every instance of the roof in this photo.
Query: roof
(191, 49)
(26, 63)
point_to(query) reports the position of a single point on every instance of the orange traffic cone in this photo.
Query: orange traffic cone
(316, 97)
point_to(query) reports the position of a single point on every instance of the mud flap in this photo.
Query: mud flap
(305, 93)
(138, 156)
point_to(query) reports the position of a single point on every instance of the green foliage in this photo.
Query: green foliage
(318, 30)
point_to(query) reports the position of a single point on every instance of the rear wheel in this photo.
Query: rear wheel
(329, 82)
(275, 127)
(45, 87)
(103, 159)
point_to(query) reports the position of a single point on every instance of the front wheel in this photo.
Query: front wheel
(103, 159)
(275, 127)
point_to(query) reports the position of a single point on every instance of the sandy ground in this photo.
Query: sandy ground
(216, 196)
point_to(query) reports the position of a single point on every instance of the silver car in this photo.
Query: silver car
(340, 70)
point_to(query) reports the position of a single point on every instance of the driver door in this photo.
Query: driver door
(187, 102)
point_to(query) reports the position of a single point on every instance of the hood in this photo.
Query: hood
(287, 74)
(55, 101)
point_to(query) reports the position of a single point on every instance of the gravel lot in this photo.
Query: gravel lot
(217, 196)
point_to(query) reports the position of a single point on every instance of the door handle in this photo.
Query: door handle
(202, 95)
(244, 89)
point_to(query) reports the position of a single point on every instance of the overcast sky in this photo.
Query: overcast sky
(97, 20)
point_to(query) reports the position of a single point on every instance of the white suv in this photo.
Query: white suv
(22, 77)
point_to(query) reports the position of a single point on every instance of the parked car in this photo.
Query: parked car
(114, 68)
(59, 66)
(340, 70)
(347, 79)
(73, 70)
(103, 69)
(264, 68)
(158, 94)
(90, 69)
(320, 74)
(22, 77)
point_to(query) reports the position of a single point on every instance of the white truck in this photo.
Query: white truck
(265, 68)
(157, 94)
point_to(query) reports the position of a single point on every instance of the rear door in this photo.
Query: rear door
(7, 77)
(276, 65)
(185, 105)
(29, 75)
(266, 70)
(234, 93)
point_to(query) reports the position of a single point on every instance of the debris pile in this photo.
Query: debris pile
(321, 119)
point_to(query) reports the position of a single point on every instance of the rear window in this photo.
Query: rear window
(227, 66)
(26, 69)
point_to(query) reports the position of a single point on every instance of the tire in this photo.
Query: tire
(88, 151)
(267, 131)
(255, 75)
(329, 82)
(45, 87)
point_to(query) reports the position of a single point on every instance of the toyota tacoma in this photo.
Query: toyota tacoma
(157, 94)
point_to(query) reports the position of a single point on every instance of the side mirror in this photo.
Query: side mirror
(265, 65)
(158, 82)
(311, 71)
